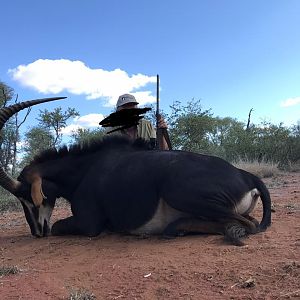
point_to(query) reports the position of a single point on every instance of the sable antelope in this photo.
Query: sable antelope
(120, 185)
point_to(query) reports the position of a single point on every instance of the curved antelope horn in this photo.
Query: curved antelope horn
(6, 181)
(37, 194)
(7, 112)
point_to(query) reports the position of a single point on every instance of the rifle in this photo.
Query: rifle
(160, 132)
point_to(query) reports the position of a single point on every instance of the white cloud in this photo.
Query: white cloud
(70, 129)
(290, 102)
(86, 121)
(90, 120)
(55, 76)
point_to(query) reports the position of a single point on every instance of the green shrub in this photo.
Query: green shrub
(8, 202)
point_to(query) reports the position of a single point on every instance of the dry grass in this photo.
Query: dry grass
(81, 294)
(9, 270)
(260, 169)
(292, 167)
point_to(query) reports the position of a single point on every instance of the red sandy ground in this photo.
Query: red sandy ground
(113, 266)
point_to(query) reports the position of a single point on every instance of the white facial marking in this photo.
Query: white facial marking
(44, 214)
(27, 203)
(30, 206)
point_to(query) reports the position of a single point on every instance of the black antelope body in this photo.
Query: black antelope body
(119, 185)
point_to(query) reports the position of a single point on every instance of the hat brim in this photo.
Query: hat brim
(133, 102)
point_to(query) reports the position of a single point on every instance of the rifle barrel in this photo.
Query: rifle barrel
(157, 100)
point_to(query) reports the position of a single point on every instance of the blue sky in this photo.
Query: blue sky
(234, 55)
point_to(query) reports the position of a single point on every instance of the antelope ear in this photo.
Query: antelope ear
(37, 194)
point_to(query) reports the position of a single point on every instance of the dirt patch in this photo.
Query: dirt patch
(113, 266)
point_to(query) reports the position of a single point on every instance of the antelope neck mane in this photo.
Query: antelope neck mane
(94, 145)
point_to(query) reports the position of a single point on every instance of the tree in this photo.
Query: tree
(7, 136)
(220, 133)
(294, 142)
(48, 133)
(189, 125)
(10, 133)
(37, 139)
(86, 135)
(56, 120)
(6, 94)
(239, 142)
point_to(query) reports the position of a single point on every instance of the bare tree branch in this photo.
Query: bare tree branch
(17, 129)
(249, 117)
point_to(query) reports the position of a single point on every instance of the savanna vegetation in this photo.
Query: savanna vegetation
(260, 148)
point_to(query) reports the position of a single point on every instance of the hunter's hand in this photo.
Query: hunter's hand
(162, 123)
